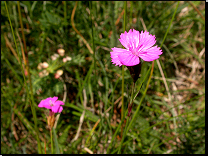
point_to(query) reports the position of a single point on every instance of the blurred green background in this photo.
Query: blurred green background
(91, 84)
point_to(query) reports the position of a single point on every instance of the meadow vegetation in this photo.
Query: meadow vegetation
(171, 114)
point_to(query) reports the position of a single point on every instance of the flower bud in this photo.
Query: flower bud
(45, 65)
(51, 120)
(45, 72)
(40, 74)
(61, 52)
(40, 66)
(68, 58)
(54, 56)
(64, 60)
(58, 74)
(135, 71)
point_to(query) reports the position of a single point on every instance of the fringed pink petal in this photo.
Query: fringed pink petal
(115, 53)
(129, 59)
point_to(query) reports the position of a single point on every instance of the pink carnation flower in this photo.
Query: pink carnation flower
(53, 104)
(138, 45)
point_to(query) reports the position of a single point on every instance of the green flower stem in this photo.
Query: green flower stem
(56, 141)
(128, 125)
(132, 92)
(122, 107)
(136, 112)
(131, 100)
(51, 140)
(141, 98)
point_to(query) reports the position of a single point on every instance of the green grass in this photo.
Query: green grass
(92, 85)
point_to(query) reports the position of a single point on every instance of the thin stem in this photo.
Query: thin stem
(119, 150)
(114, 135)
(24, 54)
(73, 26)
(13, 70)
(132, 92)
(142, 97)
(137, 93)
(131, 10)
(113, 26)
(25, 82)
(93, 44)
(51, 140)
(128, 125)
(197, 10)
(161, 71)
(169, 25)
(122, 107)
(131, 100)
(20, 60)
(29, 77)
(65, 18)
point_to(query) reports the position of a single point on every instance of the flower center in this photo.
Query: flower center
(51, 104)
(134, 51)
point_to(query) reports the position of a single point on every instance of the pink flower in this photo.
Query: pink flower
(53, 104)
(58, 74)
(138, 45)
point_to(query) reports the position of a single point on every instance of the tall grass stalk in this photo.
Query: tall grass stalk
(151, 76)
(56, 141)
(170, 24)
(32, 102)
(51, 141)
(136, 112)
(28, 93)
(13, 70)
(119, 149)
(65, 14)
(127, 123)
(122, 107)
(24, 54)
(158, 63)
(114, 135)
(93, 44)
(138, 107)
